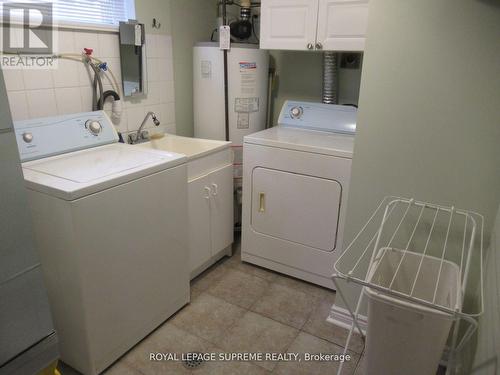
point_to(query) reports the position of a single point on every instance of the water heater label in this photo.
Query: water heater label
(243, 120)
(247, 65)
(206, 69)
(246, 105)
(248, 72)
(224, 37)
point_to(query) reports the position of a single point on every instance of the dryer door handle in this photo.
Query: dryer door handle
(262, 202)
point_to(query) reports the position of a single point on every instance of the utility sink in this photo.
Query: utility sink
(191, 147)
(204, 155)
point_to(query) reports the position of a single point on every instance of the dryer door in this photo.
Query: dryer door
(296, 207)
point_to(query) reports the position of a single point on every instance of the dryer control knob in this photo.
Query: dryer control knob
(296, 112)
(27, 137)
(93, 126)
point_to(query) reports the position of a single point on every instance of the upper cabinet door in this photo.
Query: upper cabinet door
(288, 24)
(342, 24)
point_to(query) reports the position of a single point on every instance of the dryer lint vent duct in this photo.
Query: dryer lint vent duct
(330, 77)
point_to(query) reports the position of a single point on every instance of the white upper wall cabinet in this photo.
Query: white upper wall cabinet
(332, 25)
(288, 24)
(342, 24)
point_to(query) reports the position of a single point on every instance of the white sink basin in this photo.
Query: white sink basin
(191, 147)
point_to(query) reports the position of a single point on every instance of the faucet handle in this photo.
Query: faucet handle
(132, 138)
(145, 135)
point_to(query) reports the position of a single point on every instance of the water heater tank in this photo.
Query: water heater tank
(247, 74)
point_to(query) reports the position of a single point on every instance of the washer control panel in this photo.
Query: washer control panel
(48, 136)
(319, 116)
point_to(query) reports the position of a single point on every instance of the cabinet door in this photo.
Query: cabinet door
(221, 208)
(342, 24)
(288, 24)
(199, 221)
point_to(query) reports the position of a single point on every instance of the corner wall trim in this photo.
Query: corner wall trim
(341, 317)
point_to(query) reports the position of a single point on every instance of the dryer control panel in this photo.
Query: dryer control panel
(319, 116)
(48, 136)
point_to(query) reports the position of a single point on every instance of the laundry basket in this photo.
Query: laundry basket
(404, 337)
(413, 260)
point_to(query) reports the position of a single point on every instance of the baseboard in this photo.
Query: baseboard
(342, 318)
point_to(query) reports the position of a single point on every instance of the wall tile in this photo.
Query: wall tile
(151, 46)
(18, 105)
(86, 98)
(165, 70)
(166, 91)
(164, 45)
(66, 74)
(41, 103)
(13, 79)
(68, 100)
(167, 113)
(134, 101)
(87, 39)
(35, 79)
(152, 69)
(135, 116)
(39, 93)
(85, 75)
(108, 45)
(66, 42)
(153, 95)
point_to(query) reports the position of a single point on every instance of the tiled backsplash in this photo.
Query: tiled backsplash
(67, 89)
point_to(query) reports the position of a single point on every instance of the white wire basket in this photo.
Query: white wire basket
(407, 251)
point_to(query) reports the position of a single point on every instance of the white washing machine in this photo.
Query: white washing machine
(295, 183)
(111, 229)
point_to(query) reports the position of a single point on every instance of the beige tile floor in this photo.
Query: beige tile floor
(238, 307)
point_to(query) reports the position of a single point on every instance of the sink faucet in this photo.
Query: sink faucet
(140, 135)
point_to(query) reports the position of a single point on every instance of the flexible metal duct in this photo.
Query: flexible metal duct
(330, 77)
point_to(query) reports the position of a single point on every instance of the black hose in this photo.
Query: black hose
(253, 29)
(107, 94)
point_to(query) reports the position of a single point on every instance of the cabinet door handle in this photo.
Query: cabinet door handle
(319, 46)
(310, 46)
(216, 189)
(262, 202)
(207, 191)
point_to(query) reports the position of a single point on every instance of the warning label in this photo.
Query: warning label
(243, 121)
(248, 73)
(246, 105)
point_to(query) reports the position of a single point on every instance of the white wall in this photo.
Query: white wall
(487, 361)
(428, 120)
(67, 89)
(192, 22)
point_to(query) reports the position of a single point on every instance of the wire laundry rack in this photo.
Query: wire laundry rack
(420, 240)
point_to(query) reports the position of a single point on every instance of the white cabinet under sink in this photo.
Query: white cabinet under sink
(210, 196)
(210, 213)
(332, 25)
